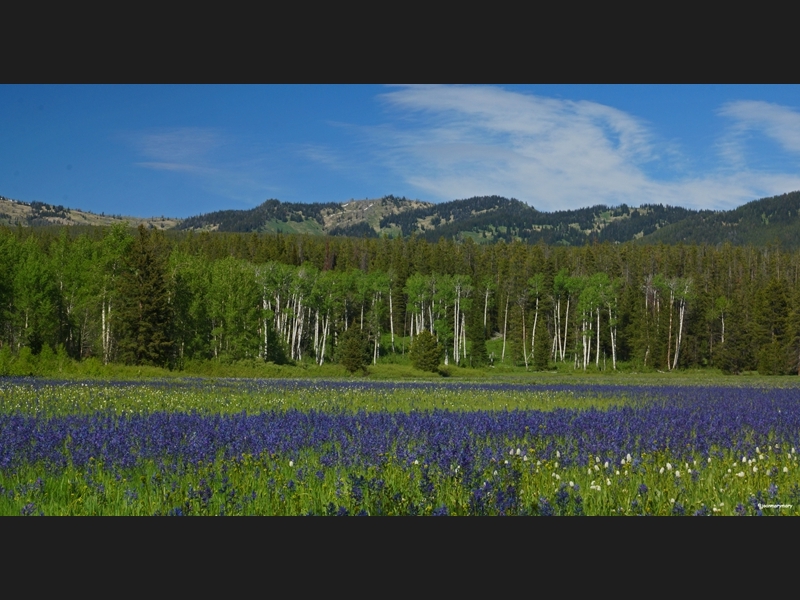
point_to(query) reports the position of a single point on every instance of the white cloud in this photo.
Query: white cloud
(456, 142)
(780, 123)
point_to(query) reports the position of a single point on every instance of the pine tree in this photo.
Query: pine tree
(144, 317)
(426, 352)
(352, 350)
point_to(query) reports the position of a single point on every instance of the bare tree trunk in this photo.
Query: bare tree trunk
(597, 351)
(566, 323)
(669, 334)
(505, 328)
(391, 318)
(613, 332)
(524, 337)
(485, 309)
(680, 332)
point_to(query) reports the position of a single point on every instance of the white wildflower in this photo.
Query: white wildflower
(677, 473)
(785, 469)
(628, 458)
(669, 467)
(571, 484)
(596, 468)
(558, 454)
(605, 465)
(661, 470)
(755, 469)
(608, 481)
(291, 463)
(740, 474)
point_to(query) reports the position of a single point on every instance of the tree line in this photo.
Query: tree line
(149, 297)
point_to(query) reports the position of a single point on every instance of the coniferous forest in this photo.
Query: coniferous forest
(148, 297)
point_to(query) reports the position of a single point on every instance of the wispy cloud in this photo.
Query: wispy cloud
(215, 160)
(454, 142)
(780, 123)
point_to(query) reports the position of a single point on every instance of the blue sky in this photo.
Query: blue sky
(179, 150)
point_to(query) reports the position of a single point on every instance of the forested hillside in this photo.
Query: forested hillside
(484, 219)
(150, 297)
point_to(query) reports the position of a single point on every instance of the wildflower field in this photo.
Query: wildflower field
(280, 447)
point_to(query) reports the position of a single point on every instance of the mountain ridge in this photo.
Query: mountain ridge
(485, 219)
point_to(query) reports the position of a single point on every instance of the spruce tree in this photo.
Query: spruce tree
(353, 350)
(426, 352)
(144, 318)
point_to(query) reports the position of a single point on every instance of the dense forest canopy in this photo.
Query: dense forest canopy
(150, 297)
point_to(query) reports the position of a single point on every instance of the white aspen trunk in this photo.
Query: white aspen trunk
(324, 339)
(524, 337)
(723, 327)
(680, 332)
(456, 333)
(391, 318)
(485, 309)
(583, 340)
(566, 324)
(588, 344)
(669, 334)
(597, 351)
(505, 328)
(264, 306)
(533, 332)
(316, 333)
(105, 336)
(463, 337)
(613, 333)
(300, 332)
(555, 353)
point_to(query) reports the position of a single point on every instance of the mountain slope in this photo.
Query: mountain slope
(38, 214)
(485, 219)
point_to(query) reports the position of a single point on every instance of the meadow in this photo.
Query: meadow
(656, 446)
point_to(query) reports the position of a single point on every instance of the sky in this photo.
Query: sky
(182, 150)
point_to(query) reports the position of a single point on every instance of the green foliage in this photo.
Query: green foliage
(353, 350)
(144, 316)
(426, 353)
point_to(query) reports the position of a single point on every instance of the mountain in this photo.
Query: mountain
(356, 217)
(485, 219)
(39, 214)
